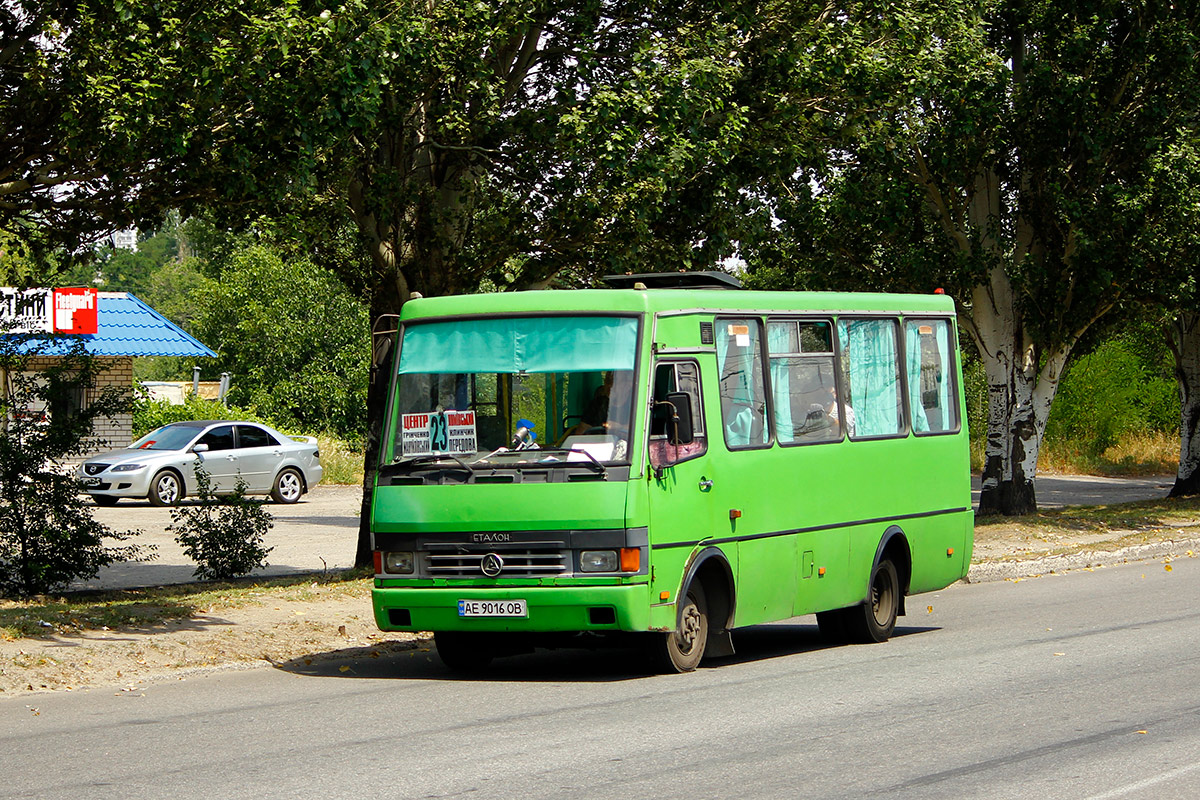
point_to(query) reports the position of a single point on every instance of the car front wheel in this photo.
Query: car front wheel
(288, 486)
(166, 489)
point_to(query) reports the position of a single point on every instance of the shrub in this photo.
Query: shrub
(150, 414)
(48, 537)
(1107, 394)
(223, 535)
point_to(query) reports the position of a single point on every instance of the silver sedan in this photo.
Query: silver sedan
(161, 466)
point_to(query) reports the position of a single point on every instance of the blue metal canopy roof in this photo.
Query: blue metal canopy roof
(126, 327)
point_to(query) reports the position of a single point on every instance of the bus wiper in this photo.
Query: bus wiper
(402, 463)
(592, 462)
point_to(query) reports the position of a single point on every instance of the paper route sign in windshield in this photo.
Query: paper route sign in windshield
(437, 432)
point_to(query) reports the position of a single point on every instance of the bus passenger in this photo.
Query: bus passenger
(832, 411)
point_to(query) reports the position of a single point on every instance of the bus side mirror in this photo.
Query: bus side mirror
(383, 334)
(679, 423)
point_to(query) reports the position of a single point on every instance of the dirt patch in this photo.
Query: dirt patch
(1025, 541)
(333, 623)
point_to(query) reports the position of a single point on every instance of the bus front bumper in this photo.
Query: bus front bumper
(548, 609)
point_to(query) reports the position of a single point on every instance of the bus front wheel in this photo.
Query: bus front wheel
(463, 652)
(681, 649)
(875, 619)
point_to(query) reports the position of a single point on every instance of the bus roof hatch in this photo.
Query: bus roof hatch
(711, 279)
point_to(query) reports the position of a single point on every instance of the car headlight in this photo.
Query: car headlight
(398, 563)
(128, 467)
(599, 561)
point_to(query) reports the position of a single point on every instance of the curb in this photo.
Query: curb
(1007, 570)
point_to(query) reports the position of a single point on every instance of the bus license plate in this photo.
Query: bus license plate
(492, 608)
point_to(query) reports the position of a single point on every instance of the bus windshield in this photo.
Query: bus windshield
(514, 391)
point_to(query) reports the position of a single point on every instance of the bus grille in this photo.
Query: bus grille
(529, 559)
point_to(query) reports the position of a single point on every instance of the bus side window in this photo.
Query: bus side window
(932, 396)
(743, 393)
(872, 377)
(802, 381)
(680, 376)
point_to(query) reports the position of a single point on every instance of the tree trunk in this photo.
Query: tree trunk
(381, 303)
(1019, 397)
(416, 236)
(389, 290)
(1184, 337)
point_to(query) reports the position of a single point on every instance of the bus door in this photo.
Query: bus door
(682, 484)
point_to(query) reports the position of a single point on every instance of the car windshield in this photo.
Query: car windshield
(168, 437)
(497, 391)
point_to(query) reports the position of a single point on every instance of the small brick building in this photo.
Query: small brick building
(125, 328)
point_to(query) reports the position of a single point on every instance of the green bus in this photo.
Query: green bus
(669, 458)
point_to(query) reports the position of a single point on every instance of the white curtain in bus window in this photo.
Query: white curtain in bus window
(927, 356)
(743, 396)
(802, 384)
(872, 368)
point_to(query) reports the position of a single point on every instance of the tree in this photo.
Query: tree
(470, 143)
(1014, 154)
(464, 141)
(48, 537)
(294, 339)
(113, 113)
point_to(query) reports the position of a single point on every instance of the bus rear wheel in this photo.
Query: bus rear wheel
(463, 652)
(681, 649)
(875, 619)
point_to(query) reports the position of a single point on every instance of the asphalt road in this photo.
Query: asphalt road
(1056, 491)
(1073, 686)
(316, 534)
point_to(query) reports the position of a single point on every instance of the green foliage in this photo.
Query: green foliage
(172, 290)
(975, 392)
(117, 98)
(295, 341)
(151, 414)
(1108, 393)
(222, 534)
(48, 537)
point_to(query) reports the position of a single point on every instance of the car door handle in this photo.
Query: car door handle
(705, 484)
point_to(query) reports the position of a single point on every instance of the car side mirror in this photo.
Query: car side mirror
(680, 429)
(200, 448)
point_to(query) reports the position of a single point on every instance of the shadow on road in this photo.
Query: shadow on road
(405, 660)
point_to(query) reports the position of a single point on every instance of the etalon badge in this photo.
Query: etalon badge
(491, 565)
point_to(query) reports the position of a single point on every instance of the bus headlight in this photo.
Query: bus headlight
(398, 563)
(599, 561)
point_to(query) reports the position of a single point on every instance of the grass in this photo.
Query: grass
(342, 463)
(142, 609)
(1135, 453)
